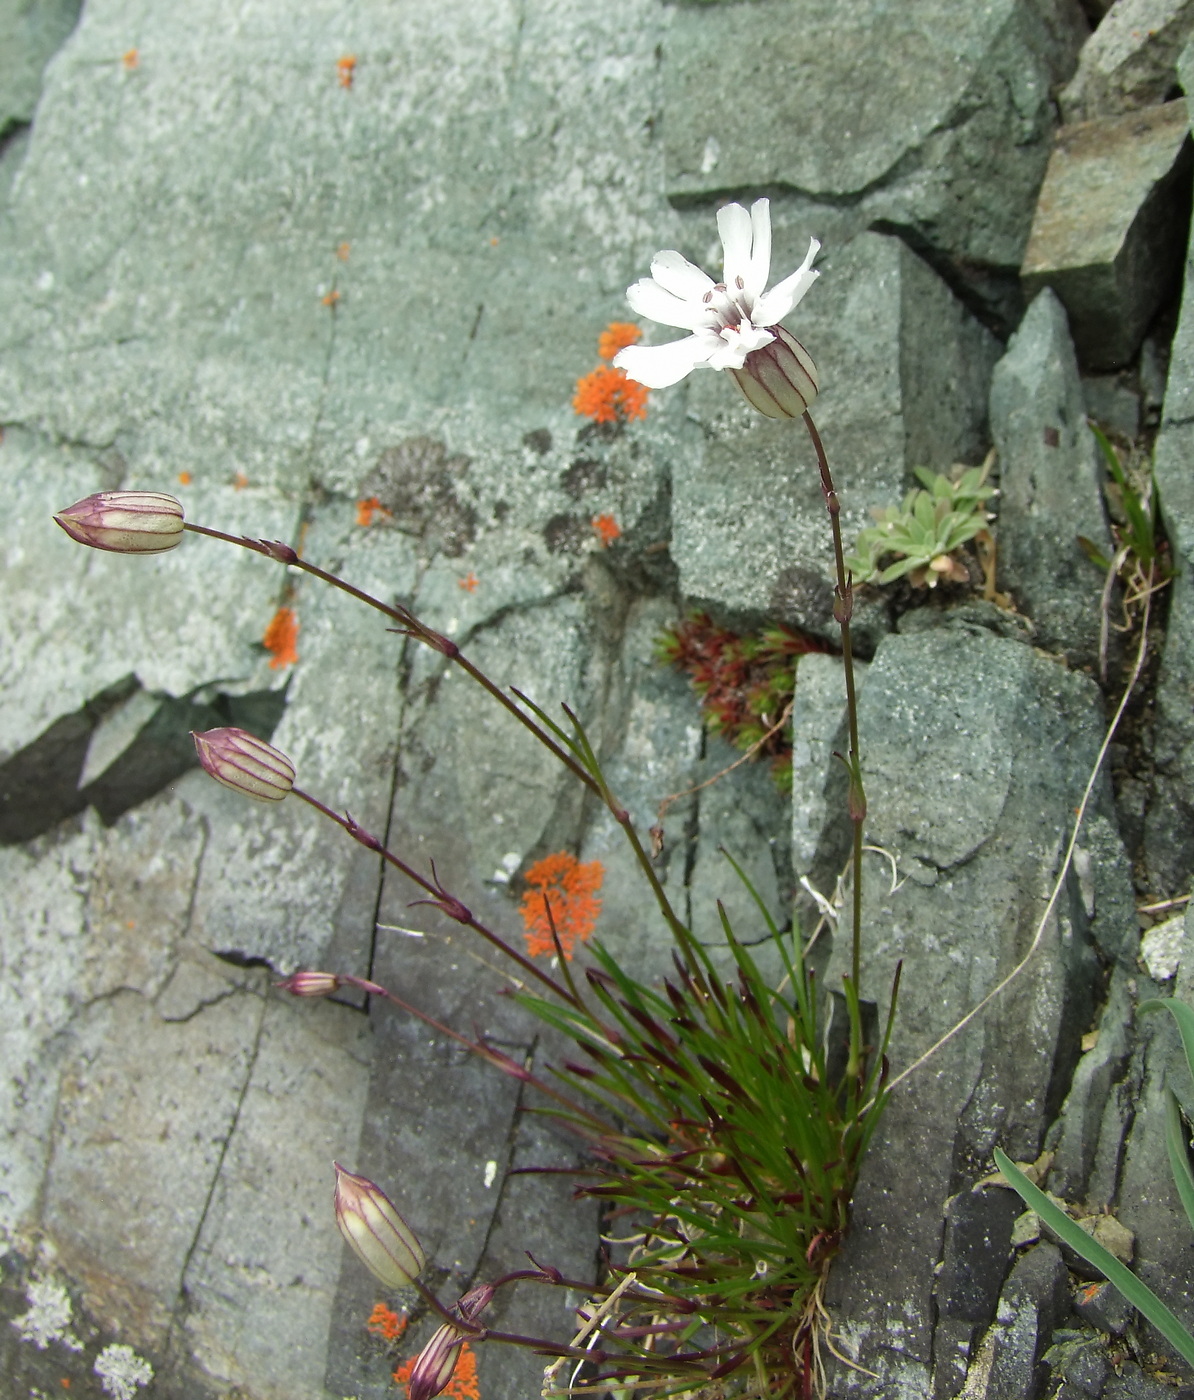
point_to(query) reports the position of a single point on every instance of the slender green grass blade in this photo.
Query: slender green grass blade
(1177, 1144)
(1141, 1297)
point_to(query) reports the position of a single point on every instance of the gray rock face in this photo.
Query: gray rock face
(1130, 61)
(31, 32)
(1107, 231)
(906, 388)
(892, 108)
(1085, 1108)
(1050, 478)
(818, 728)
(1034, 1301)
(958, 809)
(1169, 823)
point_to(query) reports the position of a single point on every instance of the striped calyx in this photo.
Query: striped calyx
(780, 378)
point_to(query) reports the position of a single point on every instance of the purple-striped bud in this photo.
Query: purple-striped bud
(435, 1363)
(780, 379)
(309, 984)
(375, 1232)
(245, 763)
(125, 522)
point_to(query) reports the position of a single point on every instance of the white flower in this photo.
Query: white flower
(730, 320)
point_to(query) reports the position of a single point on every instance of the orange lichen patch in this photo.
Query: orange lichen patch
(184, 478)
(608, 529)
(386, 1323)
(344, 67)
(367, 509)
(131, 59)
(468, 582)
(332, 298)
(281, 639)
(570, 889)
(617, 336)
(462, 1386)
(343, 250)
(1090, 1291)
(607, 395)
(239, 481)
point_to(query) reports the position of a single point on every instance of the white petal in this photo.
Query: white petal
(733, 223)
(649, 299)
(657, 366)
(774, 305)
(760, 250)
(736, 344)
(677, 275)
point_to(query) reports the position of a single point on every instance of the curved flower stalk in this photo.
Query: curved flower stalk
(734, 322)
(734, 326)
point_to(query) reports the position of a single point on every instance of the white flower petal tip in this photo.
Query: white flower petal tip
(661, 366)
(734, 322)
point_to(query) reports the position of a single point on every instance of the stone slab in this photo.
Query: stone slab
(261, 1280)
(1130, 61)
(1107, 231)
(135, 1155)
(898, 108)
(958, 810)
(1169, 822)
(1050, 475)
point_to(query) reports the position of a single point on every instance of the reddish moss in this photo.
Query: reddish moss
(607, 396)
(617, 336)
(386, 1323)
(281, 639)
(744, 682)
(608, 529)
(570, 888)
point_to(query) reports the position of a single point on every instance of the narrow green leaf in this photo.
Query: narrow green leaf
(1110, 456)
(1093, 553)
(1177, 1144)
(1140, 1296)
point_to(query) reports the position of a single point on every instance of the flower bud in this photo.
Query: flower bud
(245, 763)
(779, 379)
(377, 1234)
(125, 522)
(309, 984)
(435, 1363)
